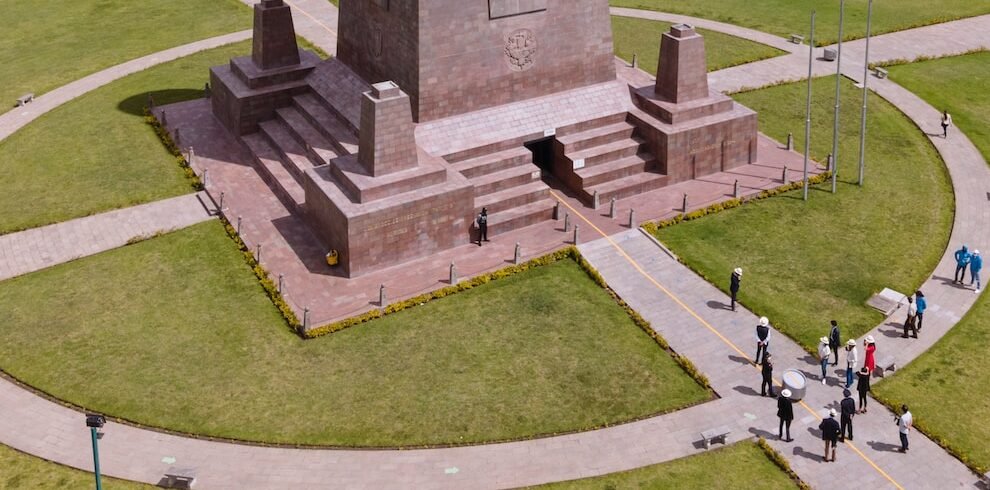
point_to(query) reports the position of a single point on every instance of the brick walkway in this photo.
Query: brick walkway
(38, 248)
(695, 327)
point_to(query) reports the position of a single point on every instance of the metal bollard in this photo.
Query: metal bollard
(594, 200)
(205, 173)
(575, 234)
(632, 218)
(453, 273)
(611, 209)
(280, 282)
(257, 253)
(220, 206)
(829, 162)
(735, 189)
(556, 211)
(567, 222)
(635, 63)
(305, 319)
(238, 226)
(783, 175)
(790, 141)
(381, 297)
(684, 203)
(518, 255)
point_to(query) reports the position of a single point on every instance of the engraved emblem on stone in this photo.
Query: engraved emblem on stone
(377, 42)
(520, 49)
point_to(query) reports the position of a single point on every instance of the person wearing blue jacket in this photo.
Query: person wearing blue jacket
(962, 260)
(975, 265)
(922, 305)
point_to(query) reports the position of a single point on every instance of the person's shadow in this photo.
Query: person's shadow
(883, 446)
(718, 305)
(746, 390)
(800, 451)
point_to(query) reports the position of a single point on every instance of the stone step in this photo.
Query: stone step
(616, 169)
(291, 153)
(626, 187)
(512, 197)
(268, 164)
(345, 141)
(504, 179)
(519, 217)
(605, 153)
(591, 124)
(317, 147)
(583, 140)
(494, 162)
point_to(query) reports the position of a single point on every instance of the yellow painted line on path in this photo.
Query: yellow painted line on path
(705, 323)
(314, 19)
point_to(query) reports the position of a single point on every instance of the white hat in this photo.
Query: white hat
(869, 339)
(763, 321)
(831, 412)
(976, 252)
(823, 340)
(851, 342)
(738, 271)
(785, 393)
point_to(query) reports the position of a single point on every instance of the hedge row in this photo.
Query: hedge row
(781, 462)
(172, 148)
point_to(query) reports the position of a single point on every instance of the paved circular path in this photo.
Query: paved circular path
(660, 289)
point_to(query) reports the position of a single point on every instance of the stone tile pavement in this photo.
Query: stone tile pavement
(38, 248)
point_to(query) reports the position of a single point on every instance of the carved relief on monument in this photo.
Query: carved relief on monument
(505, 8)
(377, 42)
(520, 49)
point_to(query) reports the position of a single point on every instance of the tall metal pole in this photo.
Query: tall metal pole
(866, 73)
(807, 121)
(838, 84)
(96, 458)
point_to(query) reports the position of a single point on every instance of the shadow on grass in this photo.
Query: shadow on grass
(135, 104)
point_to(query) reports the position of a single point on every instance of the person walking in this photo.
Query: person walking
(834, 341)
(975, 266)
(734, 280)
(921, 305)
(483, 226)
(762, 339)
(871, 353)
(909, 321)
(863, 387)
(824, 352)
(904, 424)
(852, 361)
(962, 260)
(847, 408)
(767, 371)
(830, 433)
(785, 412)
(946, 122)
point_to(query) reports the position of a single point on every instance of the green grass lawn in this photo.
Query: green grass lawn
(956, 84)
(47, 43)
(810, 262)
(175, 332)
(22, 471)
(642, 37)
(96, 153)
(741, 465)
(784, 17)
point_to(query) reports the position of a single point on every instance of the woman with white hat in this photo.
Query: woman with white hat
(785, 412)
(871, 353)
(762, 339)
(824, 353)
(852, 361)
(734, 281)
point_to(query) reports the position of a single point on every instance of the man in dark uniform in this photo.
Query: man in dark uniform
(767, 370)
(835, 341)
(483, 226)
(830, 434)
(734, 285)
(848, 408)
(785, 412)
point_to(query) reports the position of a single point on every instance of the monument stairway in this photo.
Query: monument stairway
(508, 184)
(607, 157)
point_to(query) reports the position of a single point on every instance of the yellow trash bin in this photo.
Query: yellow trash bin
(332, 258)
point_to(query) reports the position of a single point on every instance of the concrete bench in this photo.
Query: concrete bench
(887, 363)
(881, 73)
(711, 436)
(24, 99)
(180, 477)
(797, 39)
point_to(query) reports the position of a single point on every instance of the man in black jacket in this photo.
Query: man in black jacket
(835, 341)
(848, 408)
(830, 433)
(734, 285)
(767, 370)
(785, 412)
(482, 226)
(762, 339)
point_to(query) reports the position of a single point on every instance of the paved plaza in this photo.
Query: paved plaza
(683, 307)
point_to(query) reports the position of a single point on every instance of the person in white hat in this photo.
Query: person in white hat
(785, 412)
(734, 281)
(975, 266)
(852, 361)
(871, 353)
(830, 433)
(824, 353)
(762, 339)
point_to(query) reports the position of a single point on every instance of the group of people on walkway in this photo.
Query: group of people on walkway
(968, 260)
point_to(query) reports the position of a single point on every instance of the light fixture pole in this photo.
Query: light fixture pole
(807, 120)
(838, 84)
(866, 73)
(95, 422)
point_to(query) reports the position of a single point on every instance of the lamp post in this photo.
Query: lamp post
(838, 90)
(807, 121)
(95, 422)
(866, 73)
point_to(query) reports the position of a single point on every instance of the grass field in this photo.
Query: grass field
(175, 332)
(741, 465)
(22, 471)
(784, 17)
(810, 262)
(96, 153)
(48, 43)
(956, 84)
(642, 37)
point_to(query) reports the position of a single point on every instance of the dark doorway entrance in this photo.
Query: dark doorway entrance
(542, 154)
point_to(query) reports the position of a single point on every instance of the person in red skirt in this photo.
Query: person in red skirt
(871, 353)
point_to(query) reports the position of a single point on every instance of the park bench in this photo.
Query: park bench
(711, 436)
(881, 73)
(24, 99)
(797, 39)
(887, 363)
(180, 477)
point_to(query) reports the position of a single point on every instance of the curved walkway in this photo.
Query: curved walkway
(37, 426)
(15, 119)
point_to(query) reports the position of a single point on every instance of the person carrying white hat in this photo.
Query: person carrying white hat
(785, 412)
(852, 361)
(762, 339)
(824, 353)
(734, 281)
